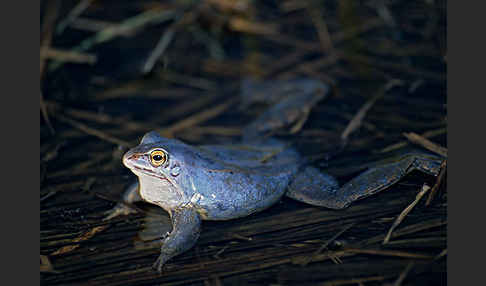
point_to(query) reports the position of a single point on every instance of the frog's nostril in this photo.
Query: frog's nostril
(130, 157)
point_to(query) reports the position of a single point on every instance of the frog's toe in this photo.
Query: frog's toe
(119, 209)
(159, 263)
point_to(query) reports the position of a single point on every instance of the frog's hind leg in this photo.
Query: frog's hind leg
(312, 187)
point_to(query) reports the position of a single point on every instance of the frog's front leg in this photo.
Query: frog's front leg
(186, 225)
(130, 196)
(312, 187)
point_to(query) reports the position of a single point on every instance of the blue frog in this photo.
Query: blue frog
(222, 182)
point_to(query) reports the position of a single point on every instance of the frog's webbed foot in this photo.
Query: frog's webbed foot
(312, 187)
(131, 195)
(159, 263)
(117, 210)
(186, 225)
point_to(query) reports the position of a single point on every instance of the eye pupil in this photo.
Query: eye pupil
(158, 157)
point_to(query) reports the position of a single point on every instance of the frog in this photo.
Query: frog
(193, 183)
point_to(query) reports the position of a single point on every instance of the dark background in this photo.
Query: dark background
(100, 101)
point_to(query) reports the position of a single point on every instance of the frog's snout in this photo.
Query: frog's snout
(130, 159)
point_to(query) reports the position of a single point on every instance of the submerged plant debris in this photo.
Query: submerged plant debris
(201, 71)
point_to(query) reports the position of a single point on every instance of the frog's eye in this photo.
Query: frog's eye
(158, 157)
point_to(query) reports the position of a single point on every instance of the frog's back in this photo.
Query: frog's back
(249, 177)
(270, 154)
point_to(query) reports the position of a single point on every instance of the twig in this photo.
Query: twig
(213, 281)
(68, 56)
(427, 134)
(197, 118)
(87, 235)
(389, 253)
(283, 63)
(405, 212)
(353, 281)
(75, 12)
(427, 144)
(195, 82)
(321, 27)
(399, 67)
(47, 28)
(240, 24)
(231, 6)
(137, 22)
(216, 130)
(46, 265)
(355, 123)
(45, 115)
(102, 118)
(441, 254)
(92, 131)
(48, 195)
(404, 274)
(92, 25)
(304, 48)
(440, 177)
(339, 37)
(324, 246)
(46, 34)
(162, 45)
(167, 37)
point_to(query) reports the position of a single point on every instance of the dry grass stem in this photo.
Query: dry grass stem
(438, 182)
(405, 212)
(94, 132)
(68, 56)
(46, 265)
(324, 246)
(426, 143)
(390, 253)
(243, 25)
(73, 15)
(357, 120)
(441, 254)
(45, 115)
(87, 235)
(198, 118)
(321, 27)
(427, 134)
(351, 281)
(403, 275)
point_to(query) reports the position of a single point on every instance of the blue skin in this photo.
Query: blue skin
(222, 182)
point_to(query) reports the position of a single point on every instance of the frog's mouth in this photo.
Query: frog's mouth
(151, 173)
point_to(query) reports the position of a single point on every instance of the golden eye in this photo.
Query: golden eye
(158, 157)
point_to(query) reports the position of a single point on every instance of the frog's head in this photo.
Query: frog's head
(158, 162)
